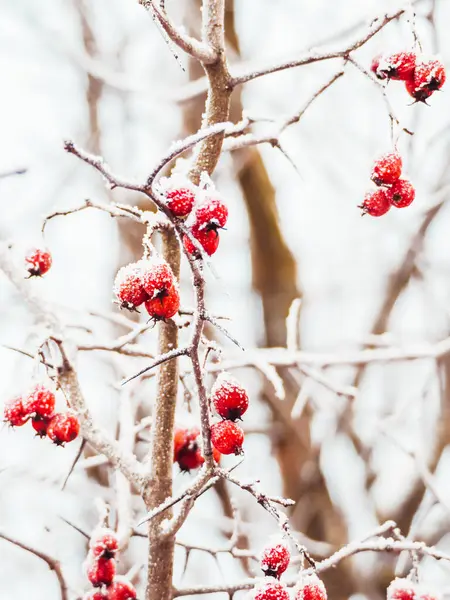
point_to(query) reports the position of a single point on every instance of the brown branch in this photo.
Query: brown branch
(53, 564)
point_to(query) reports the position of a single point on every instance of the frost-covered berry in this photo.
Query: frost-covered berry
(375, 203)
(374, 67)
(104, 543)
(310, 588)
(273, 590)
(275, 560)
(211, 213)
(100, 571)
(403, 589)
(40, 425)
(165, 305)
(128, 286)
(14, 412)
(227, 437)
(186, 449)
(38, 262)
(207, 238)
(95, 595)
(179, 194)
(429, 76)
(398, 66)
(387, 169)
(40, 401)
(63, 428)
(229, 397)
(121, 589)
(401, 194)
(157, 277)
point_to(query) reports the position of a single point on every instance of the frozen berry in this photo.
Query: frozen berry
(275, 560)
(95, 595)
(374, 68)
(63, 428)
(272, 591)
(227, 437)
(229, 397)
(121, 589)
(40, 401)
(398, 66)
(165, 305)
(429, 76)
(128, 286)
(310, 588)
(207, 238)
(180, 201)
(211, 213)
(39, 262)
(104, 543)
(14, 412)
(402, 589)
(40, 425)
(375, 203)
(157, 277)
(186, 449)
(401, 194)
(100, 571)
(387, 169)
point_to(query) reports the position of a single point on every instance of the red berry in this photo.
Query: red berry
(429, 76)
(387, 169)
(40, 401)
(40, 425)
(375, 203)
(128, 286)
(275, 560)
(211, 213)
(374, 68)
(121, 589)
(14, 412)
(398, 66)
(229, 397)
(63, 428)
(272, 591)
(95, 595)
(186, 449)
(402, 589)
(157, 277)
(165, 305)
(39, 262)
(227, 437)
(100, 571)
(419, 94)
(311, 588)
(207, 238)
(104, 543)
(180, 200)
(401, 194)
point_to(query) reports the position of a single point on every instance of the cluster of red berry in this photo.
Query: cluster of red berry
(422, 77)
(205, 209)
(101, 569)
(406, 589)
(275, 560)
(230, 400)
(38, 262)
(150, 282)
(392, 190)
(39, 406)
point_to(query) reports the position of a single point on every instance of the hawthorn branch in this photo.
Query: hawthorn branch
(52, 563)
(195, 48)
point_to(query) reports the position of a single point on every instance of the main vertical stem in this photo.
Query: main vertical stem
(161, 548)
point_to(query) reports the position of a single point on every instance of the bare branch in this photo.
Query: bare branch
(53, 564)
